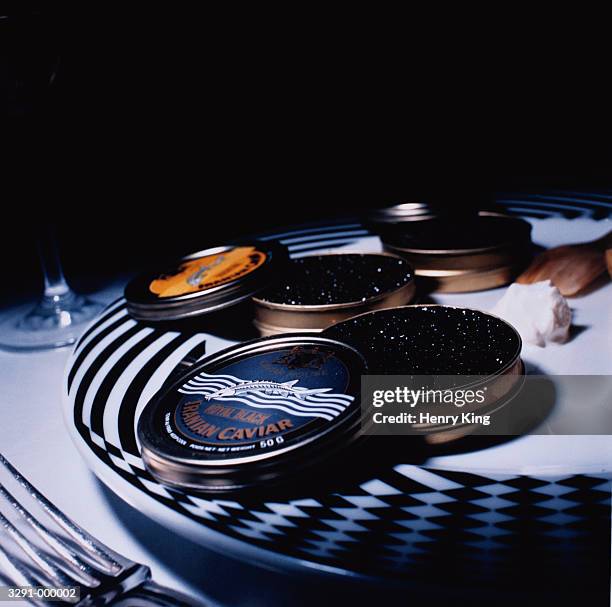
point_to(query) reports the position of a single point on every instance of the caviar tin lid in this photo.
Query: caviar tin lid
(320, 290)
(204, 281)
(253, 413)
(466, 254)
(484, 233)
(416, 210)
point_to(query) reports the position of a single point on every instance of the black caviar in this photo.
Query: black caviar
(424, 340)
(336, 279)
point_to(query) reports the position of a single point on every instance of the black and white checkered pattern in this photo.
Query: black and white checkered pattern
(402, 518)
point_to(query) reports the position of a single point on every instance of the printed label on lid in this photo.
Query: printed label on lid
(263, 401)
(208, 272)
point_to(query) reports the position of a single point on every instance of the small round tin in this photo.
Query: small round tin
(204, 282)
(465, 254)
(321, 290)
(253, 413)
(464, 348)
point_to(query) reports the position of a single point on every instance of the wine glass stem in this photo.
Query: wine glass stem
(56, 286)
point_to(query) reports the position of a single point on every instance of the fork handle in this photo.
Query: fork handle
(151, 594)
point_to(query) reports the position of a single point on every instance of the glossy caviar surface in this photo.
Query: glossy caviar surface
(430, 340)
(337, 279)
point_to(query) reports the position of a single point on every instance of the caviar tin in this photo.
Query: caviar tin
(321, 290)
(464, 281)
(466, 254)
(439, 340)
(253, 413)
(389, 218)
(416, 210)
(203, 282)
(431, 339)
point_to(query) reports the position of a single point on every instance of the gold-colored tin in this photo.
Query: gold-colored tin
(492, 256)
(458, 260)
(499, 390)
(458, 281)
(273, 317)
(441, 435)
(441, 339)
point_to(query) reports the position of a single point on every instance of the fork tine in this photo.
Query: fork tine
(83, 570)
(16, 574)
(92, 547)
(45, 564)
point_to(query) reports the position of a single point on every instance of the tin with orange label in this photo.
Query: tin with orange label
(205, 281)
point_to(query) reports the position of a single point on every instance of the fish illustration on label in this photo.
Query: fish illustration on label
(267, 387)
(195, 279)
(208, 271)
(286, 396)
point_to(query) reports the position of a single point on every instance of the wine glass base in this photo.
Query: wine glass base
(56, 321)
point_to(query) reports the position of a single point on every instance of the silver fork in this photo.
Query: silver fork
(73, 559)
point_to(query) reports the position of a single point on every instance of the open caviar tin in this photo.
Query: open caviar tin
(465, 254)
(254, 412)
(320, 290)
(205, 281)
(437, 340)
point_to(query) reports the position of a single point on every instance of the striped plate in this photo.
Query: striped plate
(403, 516)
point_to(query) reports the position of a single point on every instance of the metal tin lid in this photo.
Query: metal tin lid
(254, 412)
(469, 254)
(416, 210)
(320, 290)
(461, 236)
(381, 219)
(205, 281)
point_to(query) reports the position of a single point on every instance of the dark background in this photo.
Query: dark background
(143, 136)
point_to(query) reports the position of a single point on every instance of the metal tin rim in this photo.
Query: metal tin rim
(456, 281)
(177, 299)
(182, 312)
(454, 252)
(446, 433)
(492, 406)
(205, 468)
(330, 307)
(466, 262)
(347, 304)
(268, 330)
(275, 320)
